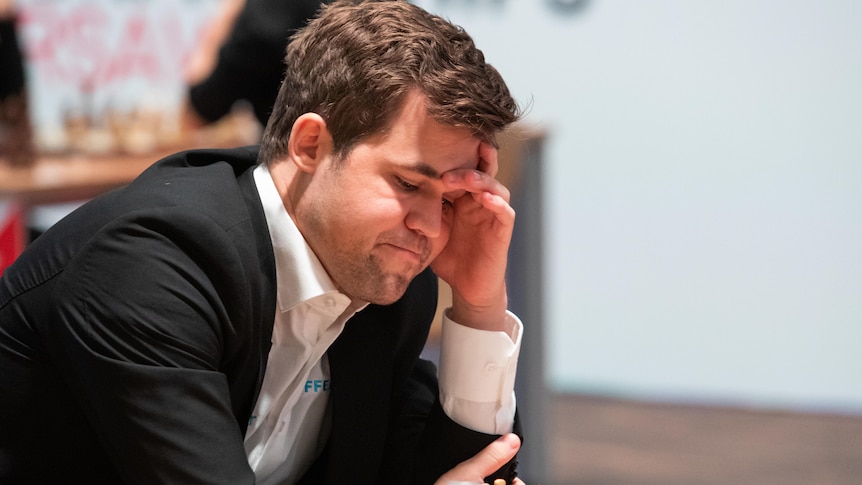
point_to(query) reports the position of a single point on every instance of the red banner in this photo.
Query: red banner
(12, 235)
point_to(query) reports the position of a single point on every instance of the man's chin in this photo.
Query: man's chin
(387, 293)
(389, 296)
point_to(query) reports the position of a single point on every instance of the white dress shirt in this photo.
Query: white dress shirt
(289, 425)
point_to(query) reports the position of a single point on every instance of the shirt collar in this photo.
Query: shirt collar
(299, 274)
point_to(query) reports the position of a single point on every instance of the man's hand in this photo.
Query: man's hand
(474, 260)
(486, 462)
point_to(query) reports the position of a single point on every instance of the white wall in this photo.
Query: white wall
(704, 192)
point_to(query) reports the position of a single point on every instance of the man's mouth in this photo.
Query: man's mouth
(411, 253)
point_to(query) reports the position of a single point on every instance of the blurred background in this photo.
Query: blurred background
(688, 177)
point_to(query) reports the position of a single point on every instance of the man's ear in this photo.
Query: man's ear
(310, 142)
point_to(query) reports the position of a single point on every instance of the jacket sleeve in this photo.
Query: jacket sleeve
(144, 335)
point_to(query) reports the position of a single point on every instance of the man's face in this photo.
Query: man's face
(380, 217)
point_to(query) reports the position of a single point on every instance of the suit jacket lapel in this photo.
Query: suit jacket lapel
(265, 270)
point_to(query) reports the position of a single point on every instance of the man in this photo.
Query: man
(224, 321)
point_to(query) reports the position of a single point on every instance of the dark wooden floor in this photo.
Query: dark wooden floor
(603, 441)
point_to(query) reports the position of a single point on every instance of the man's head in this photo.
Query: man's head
(379, 101)
(355, 63)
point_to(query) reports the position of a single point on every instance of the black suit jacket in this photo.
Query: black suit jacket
(134, 337)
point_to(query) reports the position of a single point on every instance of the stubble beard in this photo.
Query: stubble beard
(370, 282)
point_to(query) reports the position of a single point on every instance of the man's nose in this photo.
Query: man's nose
(426, 216)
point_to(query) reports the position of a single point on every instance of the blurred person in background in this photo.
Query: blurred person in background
(241, 58)
(241, 316)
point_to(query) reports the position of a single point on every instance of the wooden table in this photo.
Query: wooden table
(56, 179)
(66, 178)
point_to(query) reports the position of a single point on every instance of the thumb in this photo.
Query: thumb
(484, 463)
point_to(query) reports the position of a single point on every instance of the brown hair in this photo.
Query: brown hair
(355, 62)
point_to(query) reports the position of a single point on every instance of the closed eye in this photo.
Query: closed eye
(448, 202)
(405, 185)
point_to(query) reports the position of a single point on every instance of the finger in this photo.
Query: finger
(499, 206)
(488, 159)
(486, 462)
(494, 456)
(474, 181)
(496, 205)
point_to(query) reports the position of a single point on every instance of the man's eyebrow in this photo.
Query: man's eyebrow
(423, 169)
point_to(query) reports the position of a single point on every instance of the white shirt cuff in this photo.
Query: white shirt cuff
(477, 374)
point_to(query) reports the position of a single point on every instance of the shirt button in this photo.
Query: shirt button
(330, 302)
(490, 368)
